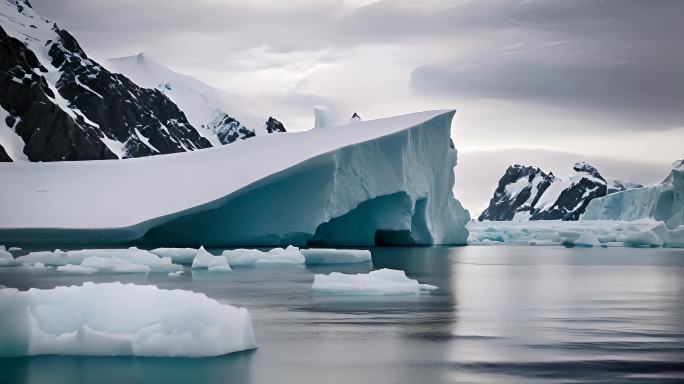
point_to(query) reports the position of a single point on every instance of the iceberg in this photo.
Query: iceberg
(382, 282)
(256, 258)
(375, 182)
(131, 260)
(637, 233)
(205, 260)
(663, 202)
(116, 319)
(335, 256)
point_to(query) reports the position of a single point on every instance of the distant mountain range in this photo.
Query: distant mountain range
(57, 104)
(528, 193)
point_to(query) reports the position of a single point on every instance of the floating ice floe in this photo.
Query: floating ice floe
(638, 233)
(177, 255)
(256, 258)
(335, 256)
(117, 319)
(6, 258)
(175, 274)
(374, 283)
(14, 249)
(131, 260)
(205, 260)
(74, 269)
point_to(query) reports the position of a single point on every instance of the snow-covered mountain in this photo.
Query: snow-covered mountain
(386, 181)
(58, 104)
(663, 202)
(529, 193)
(219, 116)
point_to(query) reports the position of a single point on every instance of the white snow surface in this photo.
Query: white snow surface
(199, 101)
(638, 233)
(664, 202)
(103, 260)
(382, 282)
(405, 159)
(115, 319)
(336, 256)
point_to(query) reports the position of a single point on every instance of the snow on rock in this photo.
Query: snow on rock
(6, 258)
(205, 260)
(663, 202)
(386, 181)
(177, 255)
(375, 283)
(255, 258)
(644, 232)
(104, 260)
(335, 256)
(117, 319)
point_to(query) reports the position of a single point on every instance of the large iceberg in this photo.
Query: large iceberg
(385, 181)
(383, 282)
(117, 319)
(663, 202)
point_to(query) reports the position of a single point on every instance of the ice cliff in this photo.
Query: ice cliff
(663, 202)
(385, 181)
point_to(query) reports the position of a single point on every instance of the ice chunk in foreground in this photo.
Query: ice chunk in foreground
(255, 258)
(133, 256)
(335, 256)
(380, 282)
(117, 319)
(205, 260)
(6, 258)
(177, 255)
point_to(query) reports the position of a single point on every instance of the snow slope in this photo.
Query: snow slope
(117, 319)
(200, 102)
(386, 181)
(663, 202)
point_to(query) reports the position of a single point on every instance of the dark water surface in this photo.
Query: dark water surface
(501, 314)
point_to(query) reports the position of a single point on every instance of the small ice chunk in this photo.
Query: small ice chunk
(379, 282)
(76, 269)
(177, 255)
(643, 239)
(14, 249)
(205, 260)
(175, 274)
(255, 258)
(587, 239)
(336, 256)
(113, 265)
(116, 319)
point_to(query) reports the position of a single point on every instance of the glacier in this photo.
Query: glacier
(115, 319)
(376, 182)
(663, 202)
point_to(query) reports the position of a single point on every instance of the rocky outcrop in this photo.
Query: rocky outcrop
(274, 126)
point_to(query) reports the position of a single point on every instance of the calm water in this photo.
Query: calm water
(501, 314)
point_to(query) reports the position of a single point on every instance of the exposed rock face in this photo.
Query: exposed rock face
(529, 193)
(570, 203)
(49, 133)
(355, 117)
(228, 129)
(518, 191)
(274, 126)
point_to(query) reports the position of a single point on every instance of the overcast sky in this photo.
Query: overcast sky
(603, 78)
